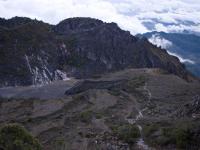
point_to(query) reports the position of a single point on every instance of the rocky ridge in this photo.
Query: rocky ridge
(33, 52)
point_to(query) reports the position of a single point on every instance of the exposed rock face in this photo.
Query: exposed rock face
(33, 52)
(108, 48)
(29, 54)
(191, 108)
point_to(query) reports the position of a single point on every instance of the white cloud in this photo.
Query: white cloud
(166, 44)
(160, 42)
(183, 60)
(129, 14)
(177, 28)
(160, 27)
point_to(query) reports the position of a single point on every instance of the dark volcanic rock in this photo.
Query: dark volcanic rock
(29, 54)
(33, 52)
(192, 108)
(74, 25)
(108, 48)
(87, 85)
(14, 22)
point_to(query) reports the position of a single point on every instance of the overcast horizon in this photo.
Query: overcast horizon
(136, 16)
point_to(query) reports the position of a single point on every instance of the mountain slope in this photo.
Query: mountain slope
(107, 113)
(186, 46)
(33, 52)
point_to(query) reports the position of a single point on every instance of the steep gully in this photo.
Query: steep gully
(140, 143)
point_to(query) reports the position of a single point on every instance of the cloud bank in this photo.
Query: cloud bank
(136, 16)
(183, 60)
(166, 44)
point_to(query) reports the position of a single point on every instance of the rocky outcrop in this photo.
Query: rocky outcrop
(191, 108)
(108, 48)
(88, 85)
(29, 54)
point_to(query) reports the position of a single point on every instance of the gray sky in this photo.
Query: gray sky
(137, 16)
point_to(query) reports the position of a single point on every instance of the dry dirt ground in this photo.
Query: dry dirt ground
(83, 115)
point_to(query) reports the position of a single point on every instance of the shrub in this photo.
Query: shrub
(183, 138)
(135, 83)
(115, 92)
(86, 116)
(60, 144)
(149, 129)
(168, 133)
(127, 133)
(15, 137)
(98, 115)
(180, 135)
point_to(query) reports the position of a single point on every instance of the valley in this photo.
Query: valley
(123, 110)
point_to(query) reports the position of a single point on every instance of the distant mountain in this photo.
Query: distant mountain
(179, 26)
(183, 45)
(34, 52)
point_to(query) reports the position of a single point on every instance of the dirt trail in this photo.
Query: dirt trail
(148, 92)
(140, 143)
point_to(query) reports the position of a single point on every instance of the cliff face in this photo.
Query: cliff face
(33, 52)
(29, 54)
(107, 47)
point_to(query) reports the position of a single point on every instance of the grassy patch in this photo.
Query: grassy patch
(15, 137)
(178, 135)
(86, 116)
(150, 129)
(115, 92)
(80, 97)
(98, 115)
(183, 137)
(60, 144)
(128, 133)
(135, 83)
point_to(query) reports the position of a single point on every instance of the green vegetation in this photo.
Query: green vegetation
(114, 91)
(130, 86)
(98, 115)
(15, 137)
(180, 136)
(79, 97)
(183, 137)
(139, 81)
(150, 129)
(61, 144)
(96, 76)
(128, 133)
(86, 116)
(71, 42)
(162, 71)
(135, 83)
(76, 60)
